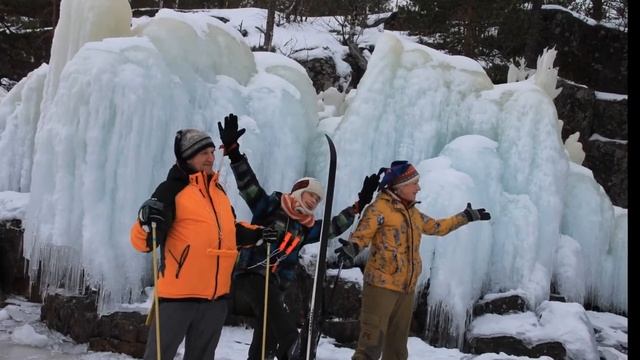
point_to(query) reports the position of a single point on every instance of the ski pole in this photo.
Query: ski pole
(335, 282)
(266, 301)
(155, 288)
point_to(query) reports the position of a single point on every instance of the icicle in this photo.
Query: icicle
(546, 75)
(574, 148)
(442, 327)
(517, 73)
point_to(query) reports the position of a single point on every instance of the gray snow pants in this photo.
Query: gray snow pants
(200, 321)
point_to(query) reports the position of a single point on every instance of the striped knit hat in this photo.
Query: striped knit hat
(400, 172)
(190, 142)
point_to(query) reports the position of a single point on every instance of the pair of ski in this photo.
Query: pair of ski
(307, 344)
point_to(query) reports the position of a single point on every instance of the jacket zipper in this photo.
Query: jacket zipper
(215, 214)
(410, 250)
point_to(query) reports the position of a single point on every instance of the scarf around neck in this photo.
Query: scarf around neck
(289, 205)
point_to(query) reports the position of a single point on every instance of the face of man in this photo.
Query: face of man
(203, 161)
(408, 191)
(310, 200)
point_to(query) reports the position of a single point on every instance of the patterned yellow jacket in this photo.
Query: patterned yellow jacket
(394, 233)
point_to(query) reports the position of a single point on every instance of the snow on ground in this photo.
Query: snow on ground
(568, 323)
(23, 336)
(611, 329)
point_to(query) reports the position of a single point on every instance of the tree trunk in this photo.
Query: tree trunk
(471, 24)
(293, 12)
(532, 49)
(54, 12)
(597, 10)
(271, 16)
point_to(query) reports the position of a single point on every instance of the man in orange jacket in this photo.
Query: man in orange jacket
(196, 231)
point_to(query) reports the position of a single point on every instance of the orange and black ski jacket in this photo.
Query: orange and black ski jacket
(199, 237)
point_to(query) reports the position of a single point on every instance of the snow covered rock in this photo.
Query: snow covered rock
(558, 330)
(501, 304)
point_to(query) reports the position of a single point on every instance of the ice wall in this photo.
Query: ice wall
(417, 104)
(80, 22)
(19, 114)
(106, 140)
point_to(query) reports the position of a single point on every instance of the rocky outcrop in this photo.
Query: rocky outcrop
(582, 110)
(501, 305)
(322, 72)
(342, 305)
(121, 333)
(514, 346)
(13, 279)
(575, 106)
(126, 332)
(501, 343)
(594, 55)
(609, 162)
(610, 119)
(75, 316)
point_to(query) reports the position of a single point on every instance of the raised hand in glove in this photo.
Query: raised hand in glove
(151, 211)
(347, 252)
(476, 214)
(369, 186)
(229, 135)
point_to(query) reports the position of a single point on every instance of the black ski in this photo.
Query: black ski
(307, 349)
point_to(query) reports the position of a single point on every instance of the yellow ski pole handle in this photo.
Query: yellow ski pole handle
(266, 301)
(155, 289)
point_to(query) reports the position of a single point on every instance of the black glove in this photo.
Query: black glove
(476, 214)
(229, 135)
(347, 252)
(151, 211)
(369, 186)
(249, 235)
(269, 235)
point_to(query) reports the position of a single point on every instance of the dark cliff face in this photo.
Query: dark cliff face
(593, 55)
(12, 277)
(603, 127)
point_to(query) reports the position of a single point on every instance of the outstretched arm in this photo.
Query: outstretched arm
(248, 184)
(339, 224)
(444, 226)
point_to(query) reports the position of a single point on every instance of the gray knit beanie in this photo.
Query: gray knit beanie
(190, 142)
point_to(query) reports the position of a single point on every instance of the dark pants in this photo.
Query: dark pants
(385, 319)
(248, 293)
(199, 321)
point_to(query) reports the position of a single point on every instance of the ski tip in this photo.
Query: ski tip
(328, 139)
(332, 147)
